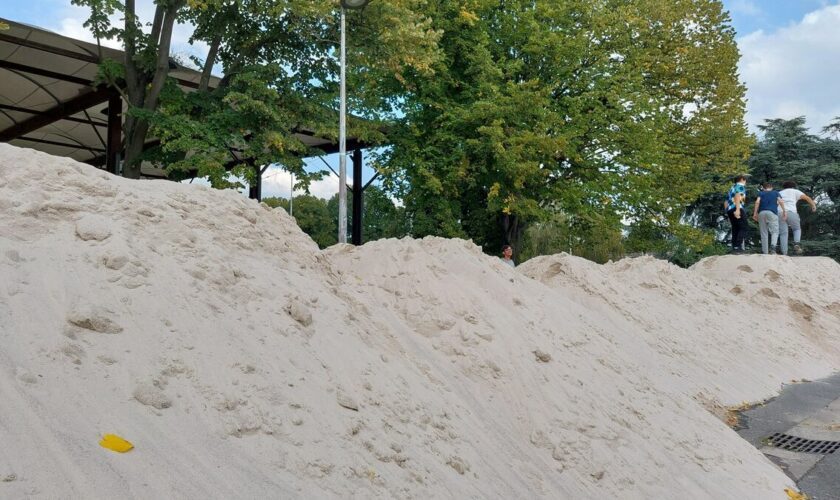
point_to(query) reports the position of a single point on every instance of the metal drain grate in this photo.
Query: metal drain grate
(802, 445)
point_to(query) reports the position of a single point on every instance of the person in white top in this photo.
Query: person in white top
(790, 195)
(507, 255)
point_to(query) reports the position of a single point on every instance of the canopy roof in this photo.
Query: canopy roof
(48, 100)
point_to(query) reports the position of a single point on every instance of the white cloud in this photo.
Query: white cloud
(793, 71)
(73, 27)
(277, 182)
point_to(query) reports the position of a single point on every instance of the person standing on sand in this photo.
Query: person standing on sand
(734, 206)
(507, 255)
(791, 195)
(766, 213)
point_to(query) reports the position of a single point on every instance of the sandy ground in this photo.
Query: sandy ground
(243, 362)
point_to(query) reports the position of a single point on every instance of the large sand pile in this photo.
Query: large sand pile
(242, 362)
(727, 330)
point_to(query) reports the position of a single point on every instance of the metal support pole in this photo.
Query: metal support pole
(358, 197)
(342, 140)
(292, 196)
(114, 139)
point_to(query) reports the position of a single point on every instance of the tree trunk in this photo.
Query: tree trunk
(135, 139)
(513, 229)
(207, 72)
(144, 88)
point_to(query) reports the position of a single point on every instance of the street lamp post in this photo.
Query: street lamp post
(342, 123)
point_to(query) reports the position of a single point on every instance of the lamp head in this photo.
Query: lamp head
(354, 4)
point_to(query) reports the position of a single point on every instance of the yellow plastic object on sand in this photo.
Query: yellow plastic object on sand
(115, 443)
(795, 495)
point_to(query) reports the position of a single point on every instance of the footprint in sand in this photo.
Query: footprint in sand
(95, 319)
(772, 275)
(150, 395)
(93, 228)
(802, 308)
(74, 352)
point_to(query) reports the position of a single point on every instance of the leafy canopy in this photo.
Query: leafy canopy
(605, 112)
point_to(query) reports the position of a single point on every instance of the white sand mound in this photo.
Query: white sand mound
(244, 363)
(729, 329)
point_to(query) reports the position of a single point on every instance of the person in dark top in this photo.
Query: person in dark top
(736, 213)
(766, 213)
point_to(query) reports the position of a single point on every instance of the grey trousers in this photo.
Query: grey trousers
(785, 226)
(768, 222)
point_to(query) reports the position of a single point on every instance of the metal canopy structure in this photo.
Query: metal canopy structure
(49, 102)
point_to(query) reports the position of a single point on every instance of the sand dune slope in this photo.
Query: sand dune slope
(243, 362)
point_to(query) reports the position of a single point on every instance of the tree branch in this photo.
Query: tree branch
(156, 25)
(206, 72)
(130, 45)
(162, 65)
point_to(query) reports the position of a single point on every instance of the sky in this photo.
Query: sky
(790, 61)
(790, 58)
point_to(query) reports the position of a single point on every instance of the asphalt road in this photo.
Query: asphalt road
(808, 411)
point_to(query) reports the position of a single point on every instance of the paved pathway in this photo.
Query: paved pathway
(811, 411)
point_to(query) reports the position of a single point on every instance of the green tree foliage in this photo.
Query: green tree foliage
(319, 218)
(280, 72)
(275, 202)
(563, 233)
(381, 218)
(241, 126)
(312, 216)
(605, 111)
(142, 76)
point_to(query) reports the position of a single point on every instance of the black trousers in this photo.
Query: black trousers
(739, 227)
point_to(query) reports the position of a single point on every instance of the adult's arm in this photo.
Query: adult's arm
(781, 204)
(755, 210)
(810, 201)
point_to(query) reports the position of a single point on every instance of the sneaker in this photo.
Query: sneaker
(797, 249)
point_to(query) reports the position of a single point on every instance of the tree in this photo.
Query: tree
(142, 76)
(280, 72)
(582, 238)
(319, 218)
(605, 111)
(275, 202)
(381, 218)
(312, 216)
